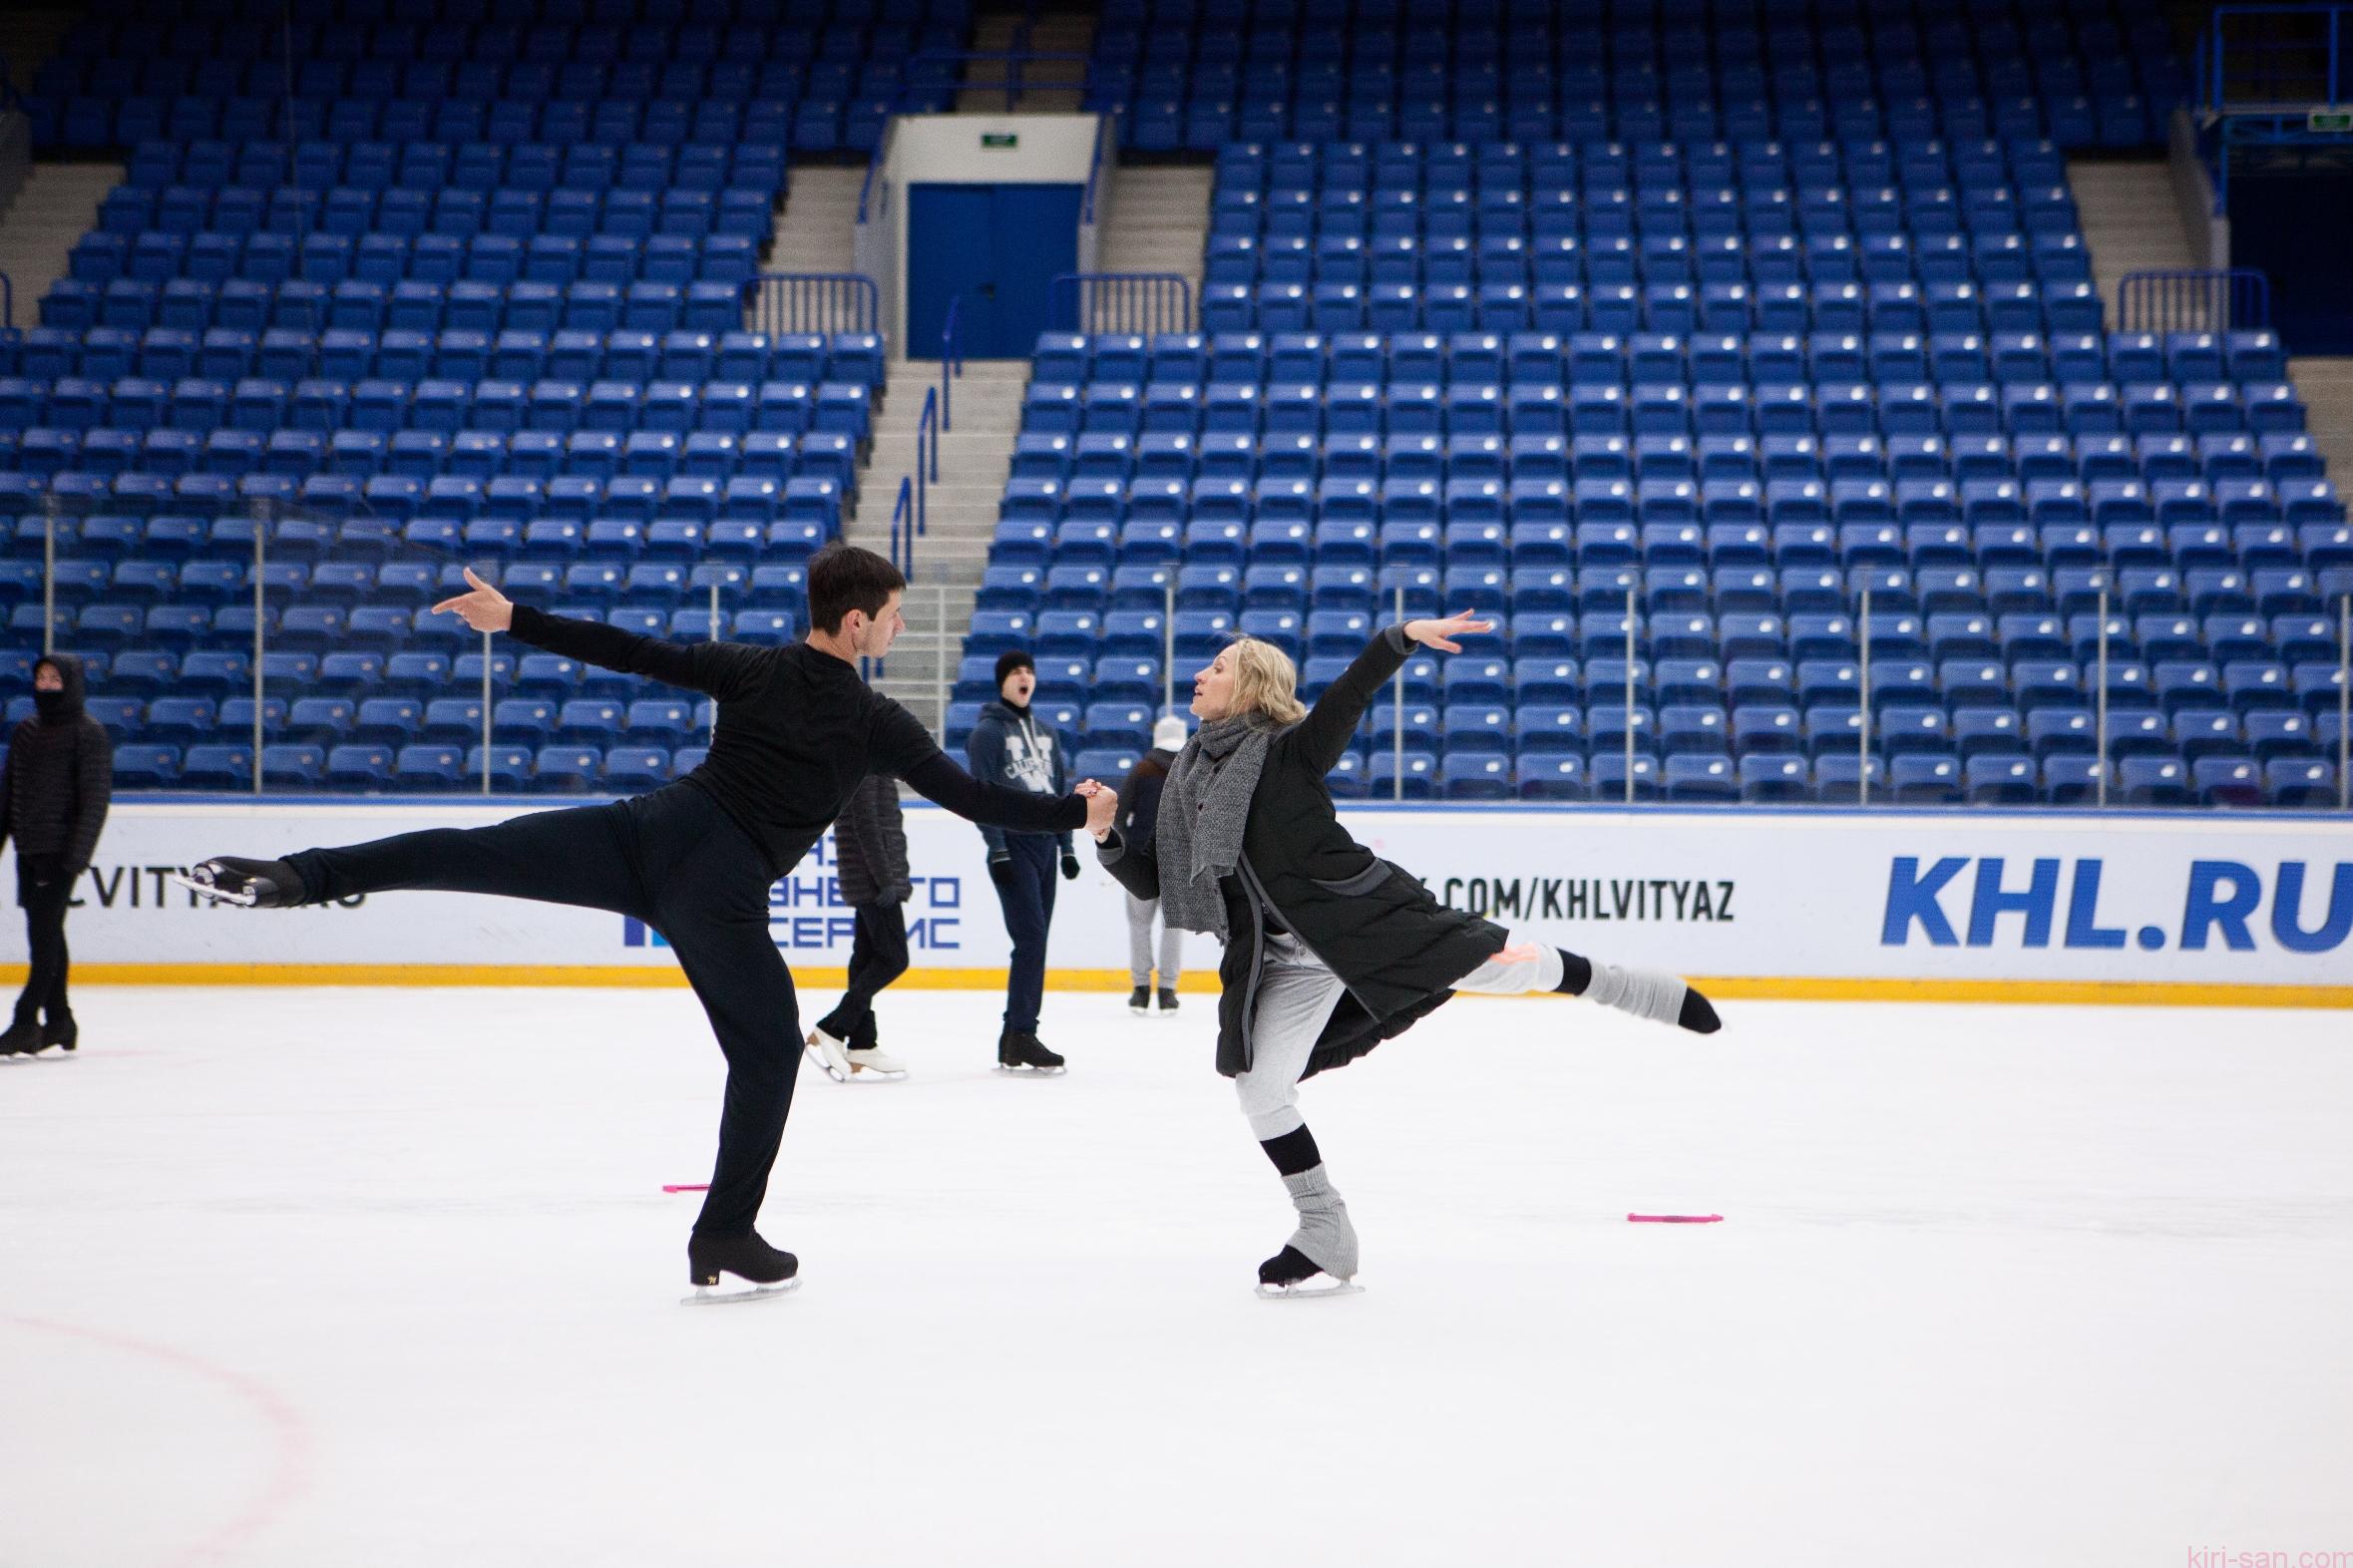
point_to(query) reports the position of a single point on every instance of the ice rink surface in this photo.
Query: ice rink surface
(341, 1278)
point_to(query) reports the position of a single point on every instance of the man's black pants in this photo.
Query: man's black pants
(878, 956)
(1028, 897)
(43, 889)
(673, 860)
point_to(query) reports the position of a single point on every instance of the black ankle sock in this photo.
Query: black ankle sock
(1294, 1152)
(1575, 974)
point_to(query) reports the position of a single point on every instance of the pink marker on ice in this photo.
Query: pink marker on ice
(687, 1186)
(1675, 1219)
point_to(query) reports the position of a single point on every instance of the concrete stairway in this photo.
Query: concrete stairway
(816, 229)
(56, 208)
(2326, 386)
(2130, 219)
(1048, 88)
(2131, 224)
(1158, 219)
(960, 512)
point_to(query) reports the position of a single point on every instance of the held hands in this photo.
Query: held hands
(485, 609)
(1102, 804)
(1440, 634)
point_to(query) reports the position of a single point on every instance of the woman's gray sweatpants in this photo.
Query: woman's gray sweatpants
(1296, 996)
(1139, 945)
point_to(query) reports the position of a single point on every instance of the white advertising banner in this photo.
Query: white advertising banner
(1797, 899)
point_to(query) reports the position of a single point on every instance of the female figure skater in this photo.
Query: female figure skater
(1328, 950)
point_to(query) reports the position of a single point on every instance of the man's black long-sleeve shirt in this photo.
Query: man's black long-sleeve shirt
(797, 730)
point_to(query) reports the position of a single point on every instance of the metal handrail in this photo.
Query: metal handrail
(2194, 299)
(813, 302)
(951, 362)
(927, 471)
(1132, 302)
(903, 525)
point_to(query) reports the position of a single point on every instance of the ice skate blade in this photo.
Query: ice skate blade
(827, 1056)
(206, 890)
(874, 1076)
(1308, 1290)
(1025, 1071)
(724, 1295)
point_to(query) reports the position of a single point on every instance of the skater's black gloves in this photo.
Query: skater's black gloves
(894, 894)
(1069, 866)
(1001, 870)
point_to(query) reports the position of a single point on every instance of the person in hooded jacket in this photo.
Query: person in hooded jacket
(870, 856)
(54, 791)
(1139, 814)
(1009, 748)
(1328, 950)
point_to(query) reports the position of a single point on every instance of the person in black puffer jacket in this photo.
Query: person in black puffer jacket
(1329, 950)
(54, 791)
(870, 854)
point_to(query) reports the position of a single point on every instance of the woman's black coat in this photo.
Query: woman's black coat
(1399, 951)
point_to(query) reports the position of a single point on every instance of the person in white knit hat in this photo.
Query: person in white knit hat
(1139, 813)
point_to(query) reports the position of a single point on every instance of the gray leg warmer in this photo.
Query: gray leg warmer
(1325, 1235)
(1645, 993)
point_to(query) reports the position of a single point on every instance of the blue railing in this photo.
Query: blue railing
(903, 525)
(777, 302)
(2262, 58)
(1129, 302)
(2194, 299)
(951, 362)
(927, 463)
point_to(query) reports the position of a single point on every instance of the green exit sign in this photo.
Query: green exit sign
(1007, 139)
(2336, 120)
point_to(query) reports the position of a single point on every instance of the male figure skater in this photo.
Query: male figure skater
(870, 853)
(54, 790)
(797, 730)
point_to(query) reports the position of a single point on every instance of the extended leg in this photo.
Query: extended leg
(1647, 993)
(584, 855)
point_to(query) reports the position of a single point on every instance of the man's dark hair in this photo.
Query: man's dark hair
(843, 578)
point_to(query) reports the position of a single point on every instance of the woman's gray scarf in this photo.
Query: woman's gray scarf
(1204, 807)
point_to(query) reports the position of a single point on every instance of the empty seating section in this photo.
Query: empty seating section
(1741, 360)
(1743, 496)
(1197, 74)
(506, 74)
(474, 292)
(1735, 387)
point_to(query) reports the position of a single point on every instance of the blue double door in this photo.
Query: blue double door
(996, 249)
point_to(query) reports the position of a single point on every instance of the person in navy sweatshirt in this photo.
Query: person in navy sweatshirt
(1011, 749)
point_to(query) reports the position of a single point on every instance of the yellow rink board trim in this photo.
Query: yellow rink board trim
(1736, 988)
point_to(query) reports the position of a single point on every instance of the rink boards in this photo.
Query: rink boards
(1985, 905)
